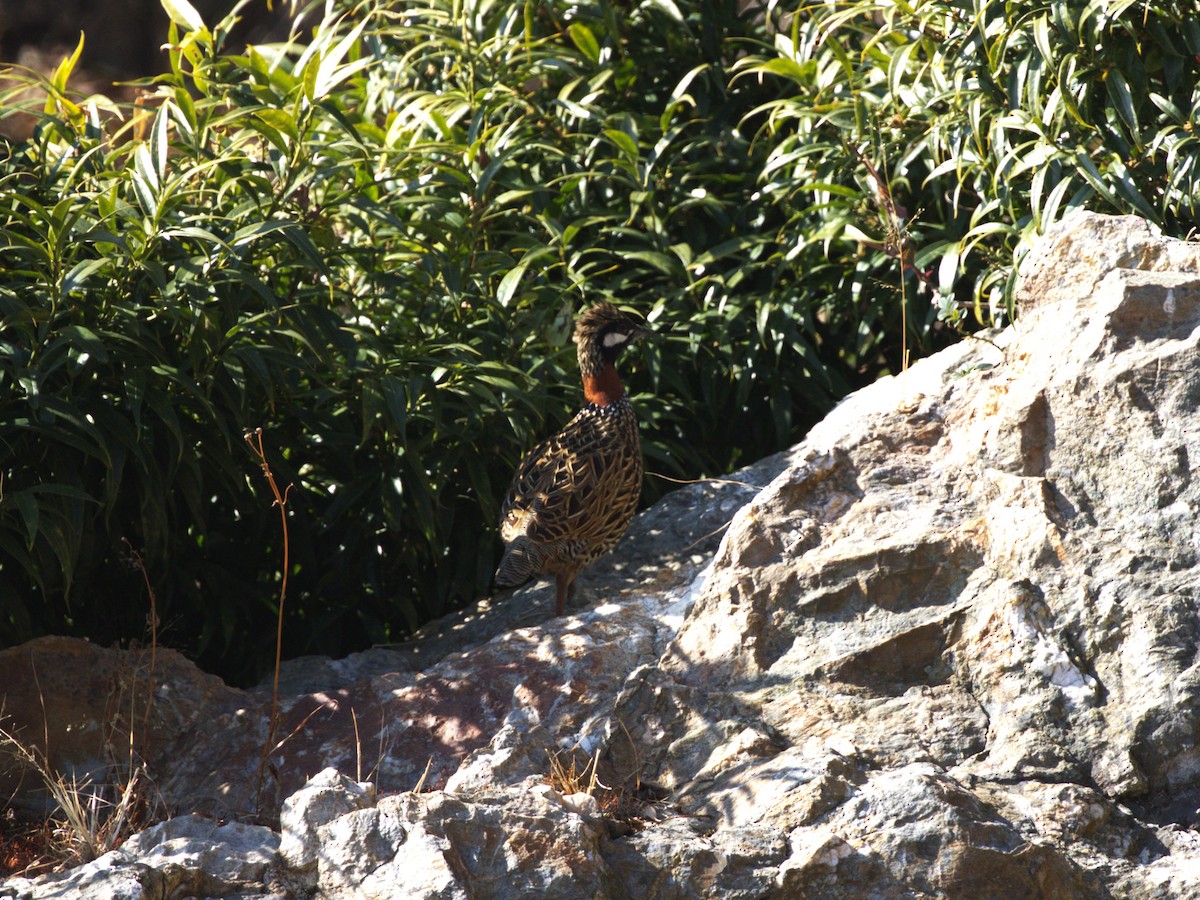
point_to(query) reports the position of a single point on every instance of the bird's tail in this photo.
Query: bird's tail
(519, 564)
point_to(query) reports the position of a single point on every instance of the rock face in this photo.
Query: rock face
(75, 705)
(950, 649)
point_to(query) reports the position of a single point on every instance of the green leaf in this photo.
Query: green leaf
(85, 339)
(79, 273)
(146, 170)
(183, 14)
(509, 283)
(1042, 40)
(625, 143)
(668, 7)
(1118, 93)
(803, 74)
(330, 76)
(27, 505)
(63, 72)
(663, 262)
(584, 40)
(281, 121)
(159, 142)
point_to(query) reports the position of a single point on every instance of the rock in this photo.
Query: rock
(205, 858)
(948, 650)
(979, 566)
(184, 857)
(111, 876)
(417, 730)
(369, 853)
(328, 795)
(404, 728)
(79, 707)
(521, 748)
(516, 842)
(521, 841)
(449, 695)
(935, 838)
(1068, 263)
(675, 858)
(824, 865)
(789, 788)
(318, 674)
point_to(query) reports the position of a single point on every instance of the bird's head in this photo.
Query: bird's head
(601, 333)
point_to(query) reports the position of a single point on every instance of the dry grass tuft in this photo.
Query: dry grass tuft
(88, 818)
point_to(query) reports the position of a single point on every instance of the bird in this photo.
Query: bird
(574, 494)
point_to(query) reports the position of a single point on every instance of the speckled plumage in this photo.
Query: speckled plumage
(573, 495)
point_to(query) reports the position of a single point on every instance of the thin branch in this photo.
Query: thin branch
(255, 440)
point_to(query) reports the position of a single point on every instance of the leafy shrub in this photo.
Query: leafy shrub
(371, 242)
(946, 136)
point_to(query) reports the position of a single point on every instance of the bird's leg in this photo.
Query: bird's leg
(565, 586)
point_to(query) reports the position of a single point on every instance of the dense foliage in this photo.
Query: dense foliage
(371, 241)
(973, 125)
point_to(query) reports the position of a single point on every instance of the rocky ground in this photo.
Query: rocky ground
(945, 647)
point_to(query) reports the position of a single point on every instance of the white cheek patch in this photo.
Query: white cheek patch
(615, 339)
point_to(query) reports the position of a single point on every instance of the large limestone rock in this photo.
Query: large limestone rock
(85, 710)
(948, 649)
(186, 856)
(985, 568)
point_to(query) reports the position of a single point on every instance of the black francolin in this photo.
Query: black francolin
(573, 495)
